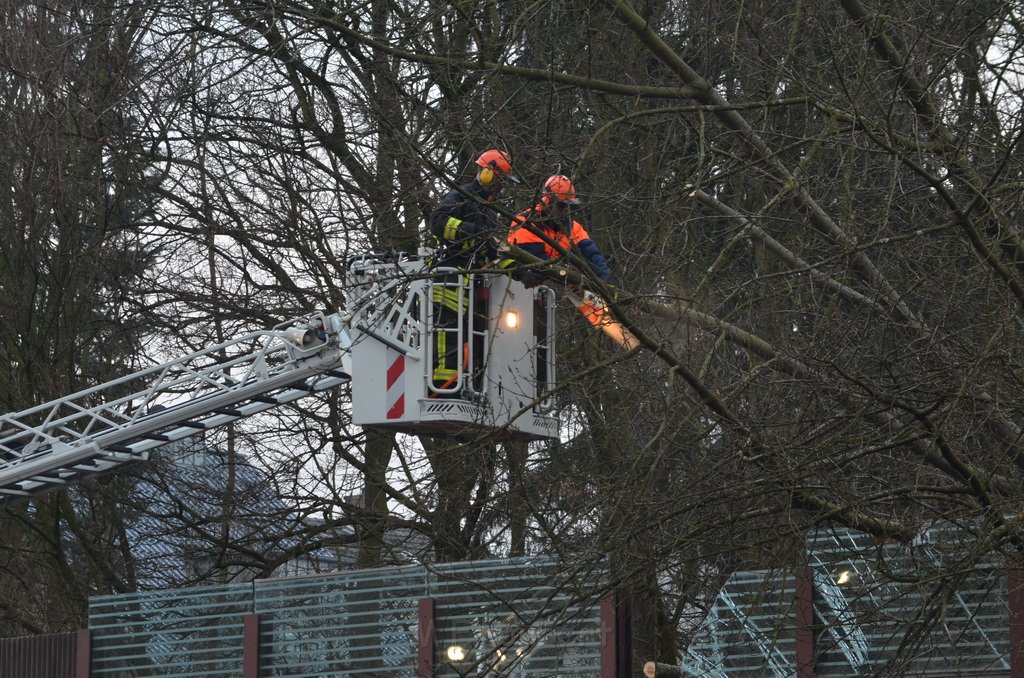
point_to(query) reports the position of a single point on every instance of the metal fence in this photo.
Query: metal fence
(750, 630)
(352, 624)
(45, 656)
(522, 617)
(528, 618)
(930, 608)
(183, 632)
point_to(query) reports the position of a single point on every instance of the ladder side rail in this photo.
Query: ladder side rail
(464, 330)
(49, 469)
(100, 388)
(104, 414)
(168, 381)
(482, 335)
(546, 297)
(198, 383)
(189, 410)
(56, 419)
(107, 413)
(287, 374)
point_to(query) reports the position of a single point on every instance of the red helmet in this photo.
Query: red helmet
(558, 187)
(498, 163)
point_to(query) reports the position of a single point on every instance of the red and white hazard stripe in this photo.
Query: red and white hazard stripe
(395, 389)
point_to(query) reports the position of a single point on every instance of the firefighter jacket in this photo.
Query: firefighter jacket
(462, 225)
(565, 231)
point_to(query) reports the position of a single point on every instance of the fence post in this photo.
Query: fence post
(83, 652)
(804, 605)
(251, 646)
(425, 641)
(1015, 598)
(616, 633)
(608, 645)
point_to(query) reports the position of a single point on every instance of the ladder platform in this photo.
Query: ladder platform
(410, 361)
(466, 420)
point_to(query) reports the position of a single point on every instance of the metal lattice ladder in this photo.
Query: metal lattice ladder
(99, 429)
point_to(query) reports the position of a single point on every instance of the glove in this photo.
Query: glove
(530, 278)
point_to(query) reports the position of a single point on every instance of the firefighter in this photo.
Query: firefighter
(464, 224)
(553, 216)
(465, 228)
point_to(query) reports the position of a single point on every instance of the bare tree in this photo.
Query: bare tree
(811, 211)
(72, 253)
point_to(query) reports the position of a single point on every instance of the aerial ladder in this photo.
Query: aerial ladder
(383, 343)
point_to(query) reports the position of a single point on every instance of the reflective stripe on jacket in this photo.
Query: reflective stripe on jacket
(459, 225)
(451, 298)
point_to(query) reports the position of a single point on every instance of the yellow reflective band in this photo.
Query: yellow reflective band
(505, 263)
(450, 299)
(442, 372)
(451, 228)
(443, 295)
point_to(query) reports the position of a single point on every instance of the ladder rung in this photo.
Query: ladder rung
(50, 480)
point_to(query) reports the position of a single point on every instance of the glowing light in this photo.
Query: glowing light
(512, 319)
(844, 577)
(455, 653)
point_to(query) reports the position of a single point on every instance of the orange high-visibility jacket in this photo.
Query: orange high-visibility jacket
(564, 231)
